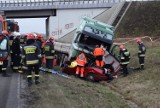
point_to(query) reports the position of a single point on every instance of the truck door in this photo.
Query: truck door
(112, 58)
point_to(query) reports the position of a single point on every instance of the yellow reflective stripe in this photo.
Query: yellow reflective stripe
(46, 48)
(52, 51)
(142, 64)
(32, 62)
(125, 62)
(139, 51)
(142, 55)
(39, 56)
(23, 56)
(15, 67)
(122, 57)
(29, 76)
(36, 75)
(24, 67)
(126, 53)
(49, 57)
(4, 68)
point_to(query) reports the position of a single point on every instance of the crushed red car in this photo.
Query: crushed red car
(94, 73)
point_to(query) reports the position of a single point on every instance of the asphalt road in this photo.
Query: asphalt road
(10, 90)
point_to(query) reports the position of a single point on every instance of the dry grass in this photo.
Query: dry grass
(142, 86)
(59, 92)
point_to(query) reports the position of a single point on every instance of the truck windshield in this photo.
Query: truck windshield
(88, 41)
(99, 33)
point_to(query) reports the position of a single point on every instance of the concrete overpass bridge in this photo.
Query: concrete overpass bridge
(63, 16)
(46, 8)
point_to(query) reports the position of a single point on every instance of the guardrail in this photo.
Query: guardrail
(52, 2)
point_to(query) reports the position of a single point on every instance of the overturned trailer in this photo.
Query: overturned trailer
(88, 34)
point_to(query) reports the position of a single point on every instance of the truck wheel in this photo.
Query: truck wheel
(90, 77)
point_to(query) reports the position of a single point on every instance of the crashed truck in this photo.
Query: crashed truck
(88, 34)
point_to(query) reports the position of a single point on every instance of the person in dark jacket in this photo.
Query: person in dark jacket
(124, 55)
(49, 53)
(31, 55)
(141, 52)
(4, 53)
(16, 51)
(39, 43)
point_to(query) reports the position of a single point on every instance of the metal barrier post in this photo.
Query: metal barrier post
(22, 2)
(52, 2)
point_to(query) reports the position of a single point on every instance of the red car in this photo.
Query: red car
(94, 73)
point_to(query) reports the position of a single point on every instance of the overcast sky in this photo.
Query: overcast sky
(27, 25)
(30, 24)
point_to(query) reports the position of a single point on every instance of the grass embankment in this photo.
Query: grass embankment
(141, 19)
(140, 87)
(59, 92)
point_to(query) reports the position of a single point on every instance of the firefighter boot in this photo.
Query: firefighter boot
(36, 80)
(29, 82)
(142, 67)
(4, 74)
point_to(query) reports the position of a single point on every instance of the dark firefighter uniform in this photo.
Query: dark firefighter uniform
(39, 43)
(31, 55)
(81, 61)
(11, 53)
(23, 40)
(4, 52)
(141, 52)
(49, 53)
(16, 51)
(124, 55)
(99, 53)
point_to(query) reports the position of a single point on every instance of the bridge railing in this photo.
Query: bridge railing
(52, 2)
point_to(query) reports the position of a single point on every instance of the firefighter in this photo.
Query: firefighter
(81, 61)
(23, 39)
(39, 43)
(49, 53)
(141, 52)
(16, 51)
(31, 55)
(4, 52)
(99, 53)
(124, 55)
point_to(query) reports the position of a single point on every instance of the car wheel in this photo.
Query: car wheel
(90, 77)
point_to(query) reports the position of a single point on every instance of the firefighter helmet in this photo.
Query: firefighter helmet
(121, 47)
(51, 38)
(5, 32)
(30, 36)
(39, 36)
(138, 40)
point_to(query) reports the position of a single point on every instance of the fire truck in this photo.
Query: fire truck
(10, 26)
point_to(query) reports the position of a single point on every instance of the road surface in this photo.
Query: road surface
(10, 90)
